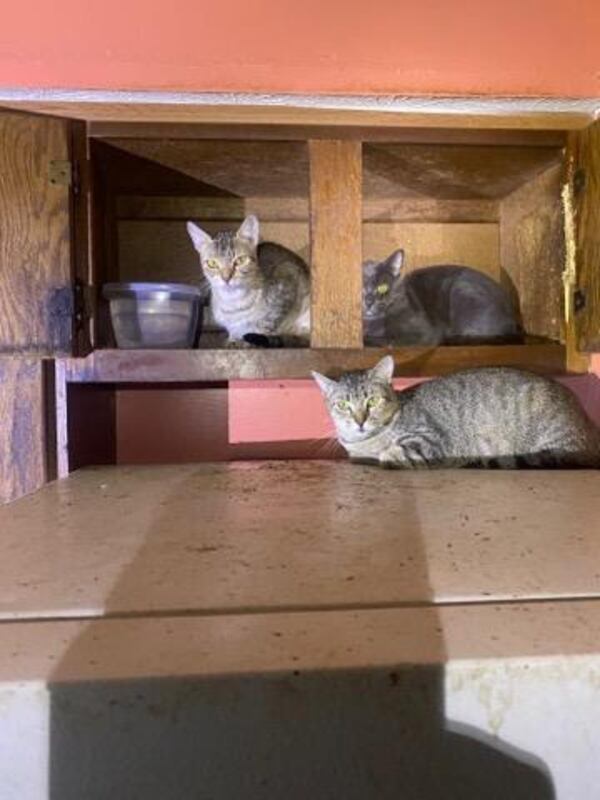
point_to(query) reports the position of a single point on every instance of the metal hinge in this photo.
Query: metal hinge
(60, 173)
(82, 299)
(78, 305)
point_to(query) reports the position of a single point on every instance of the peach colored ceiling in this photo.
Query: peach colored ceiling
(513, 47)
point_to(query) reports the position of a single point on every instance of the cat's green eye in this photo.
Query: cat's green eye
(383, 288)
(212, 264)
(342, 405)
(241, 261)
(374, 401)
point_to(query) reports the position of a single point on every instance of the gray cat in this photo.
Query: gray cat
(434, 305)
(489, 417)
(255, 288)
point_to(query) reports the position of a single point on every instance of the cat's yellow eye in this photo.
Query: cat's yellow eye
(374, 401)
(383, 288)
(342, 405)
(213, 264)
(241, 261)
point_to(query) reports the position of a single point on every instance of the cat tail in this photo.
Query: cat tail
(518, 337)
(268, 341)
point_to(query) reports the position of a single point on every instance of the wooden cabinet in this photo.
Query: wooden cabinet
(518, 204)
(104, 196)
(489, 199)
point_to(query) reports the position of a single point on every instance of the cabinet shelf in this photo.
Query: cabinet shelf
(180, 366)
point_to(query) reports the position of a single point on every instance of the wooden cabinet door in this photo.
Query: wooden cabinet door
(582, 275)
(43, 236)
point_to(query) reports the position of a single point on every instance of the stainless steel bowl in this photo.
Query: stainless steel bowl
(154, 315)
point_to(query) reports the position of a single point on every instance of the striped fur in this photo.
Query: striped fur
(491, 417)
(255, 288)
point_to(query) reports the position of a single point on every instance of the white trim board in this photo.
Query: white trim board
(382, 103)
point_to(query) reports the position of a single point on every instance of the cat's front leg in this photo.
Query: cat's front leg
(404, 456)
(236, 344)
(392, 459)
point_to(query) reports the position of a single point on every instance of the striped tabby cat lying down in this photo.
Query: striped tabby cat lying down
(488, 417)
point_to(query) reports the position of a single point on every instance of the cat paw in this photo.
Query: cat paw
(236, 344)
(263, 340)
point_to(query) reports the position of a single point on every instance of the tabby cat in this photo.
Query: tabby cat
(434, 305)
(488, 417)
(257, 290)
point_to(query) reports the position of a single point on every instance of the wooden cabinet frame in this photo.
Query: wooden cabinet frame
(52, 204)
(582, 210)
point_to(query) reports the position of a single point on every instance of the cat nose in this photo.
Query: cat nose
(360, 418)
(227, 276)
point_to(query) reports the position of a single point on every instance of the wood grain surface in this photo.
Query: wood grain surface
(336, 243)
(35, 245)
(186, 112)
(176, 366)
(584, 177)
(533, 252)
(23, 466)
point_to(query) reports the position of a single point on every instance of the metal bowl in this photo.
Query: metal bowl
(154, 315)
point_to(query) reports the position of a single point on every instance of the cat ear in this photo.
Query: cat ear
(199, 237)
(326, 385)
(396, 262)
(249, 229)
(384, 370)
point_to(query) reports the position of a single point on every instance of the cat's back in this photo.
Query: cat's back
(514, 404)
(286, 293)
(444, 278)
(466, 305)
(494, 388)
(278, 261)
(508, 416)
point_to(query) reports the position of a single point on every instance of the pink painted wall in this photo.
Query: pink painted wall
(514, 47)
(273, 411)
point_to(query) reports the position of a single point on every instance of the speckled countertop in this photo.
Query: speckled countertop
(292, 566)
(289, 536)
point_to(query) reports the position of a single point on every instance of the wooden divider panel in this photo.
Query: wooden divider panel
(583, 192)
(533, 252)
(336, 243)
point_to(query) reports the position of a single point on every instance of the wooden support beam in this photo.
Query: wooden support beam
(183, 366)
(301, 133)
(336, 242)
(24, 463)
(582, 200)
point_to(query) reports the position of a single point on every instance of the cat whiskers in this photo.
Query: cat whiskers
(324, 448)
